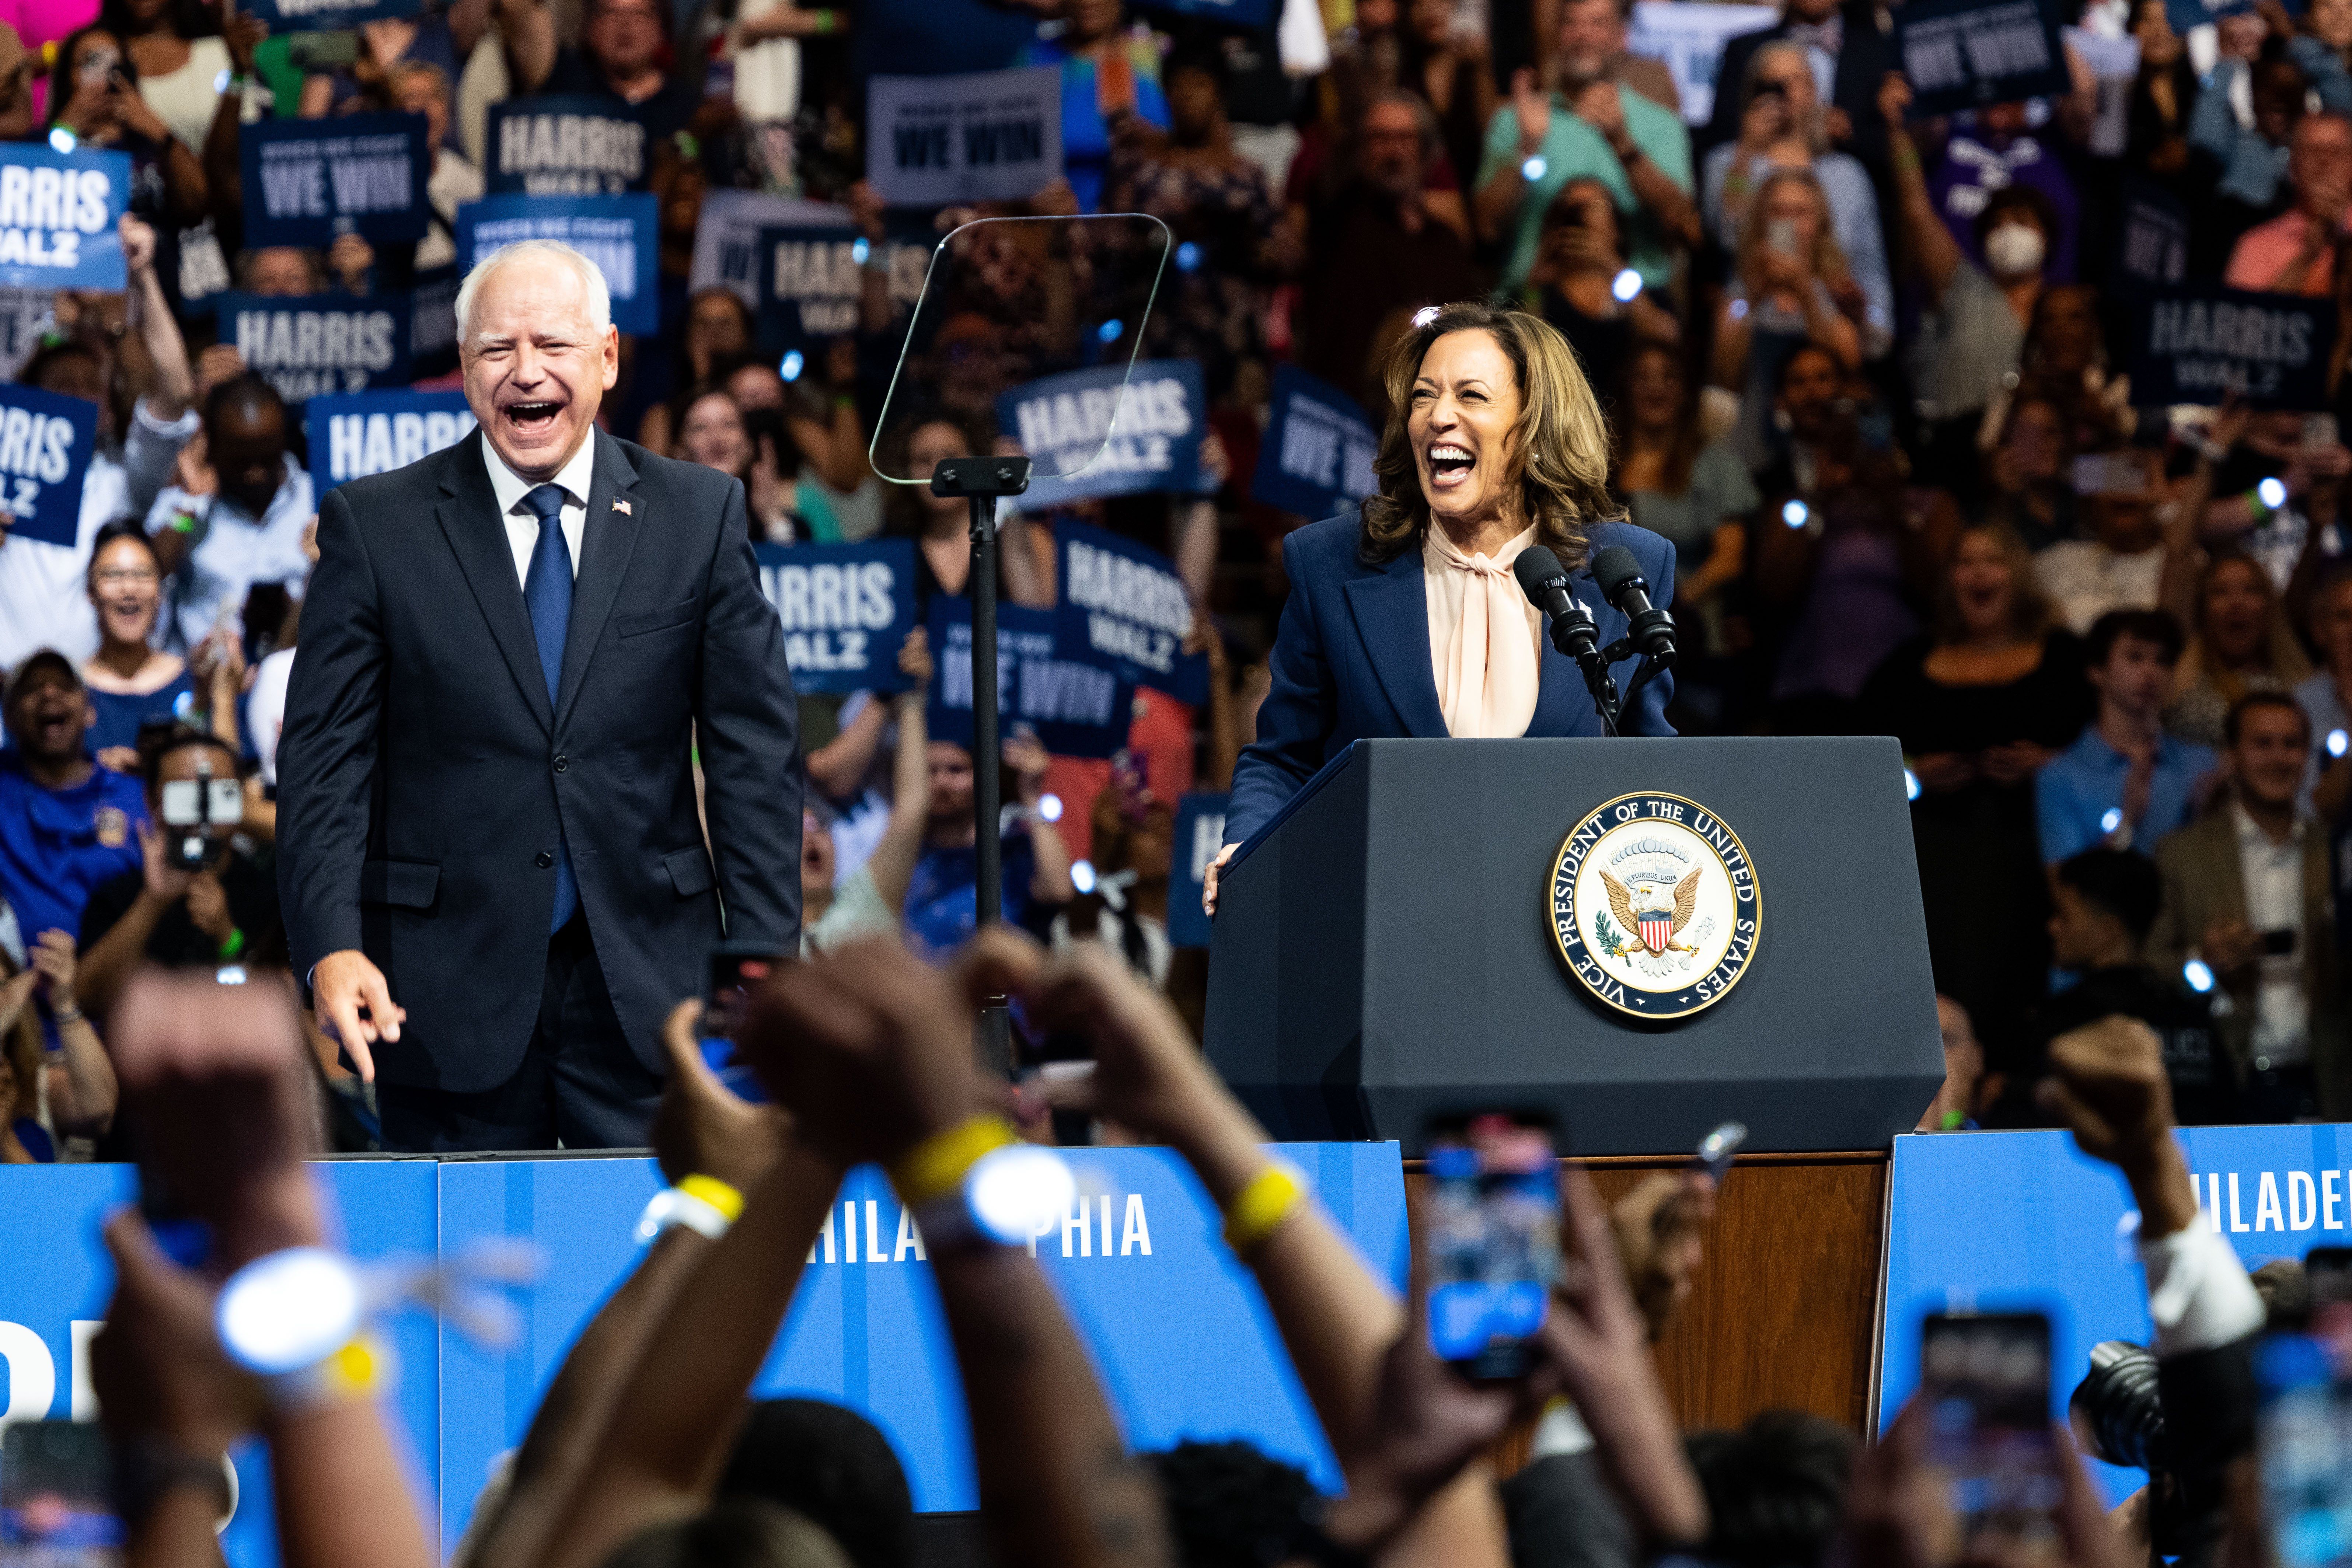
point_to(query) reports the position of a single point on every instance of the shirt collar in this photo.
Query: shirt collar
(2251, 836)
(577, 475)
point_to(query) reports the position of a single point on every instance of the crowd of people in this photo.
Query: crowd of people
(646, 1448)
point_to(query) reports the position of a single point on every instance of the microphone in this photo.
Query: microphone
(1651, 629)
(1544, 581)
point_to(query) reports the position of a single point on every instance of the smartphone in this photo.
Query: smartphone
(1986, 1379)
(56, 1496)
(736, 971)
(2278, 943)
(95, 67)
(2109, 473)
(1718, 1149)
(1780, 234)
(2303, 1427)
(1494, 1240)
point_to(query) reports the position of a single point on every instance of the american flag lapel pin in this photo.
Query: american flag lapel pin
(621, 506)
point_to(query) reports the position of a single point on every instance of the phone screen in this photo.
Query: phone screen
(1494, 1242)
(2304, 1431)
(56, 1496)
(1986, 1379)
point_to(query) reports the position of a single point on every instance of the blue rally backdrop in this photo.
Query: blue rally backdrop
(1994, 1221)
(1137, 1262)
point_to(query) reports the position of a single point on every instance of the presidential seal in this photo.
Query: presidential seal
(1652, 903)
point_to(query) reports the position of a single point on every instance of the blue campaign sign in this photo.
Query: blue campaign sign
(375, 432)
(58, 212)
(1200, 834)
(1137, 1264)
(1126, 604)
(307, 181)
(565, 145)
(1967, 53)
(46, 442)
(617, 233)
(1074, 700)
(313, 345)
(845, 609)
(327, 16)
(2042, 1232)
(1317, 457)
(2197, 343)
(2186, 14)
(1102, 432)
(390, 1210)
(1251, 16)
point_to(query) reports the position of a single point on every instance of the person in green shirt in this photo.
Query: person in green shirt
(1590, 125)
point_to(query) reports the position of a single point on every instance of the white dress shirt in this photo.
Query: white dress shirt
(235, 552)
(2273, 878)
(523, 528)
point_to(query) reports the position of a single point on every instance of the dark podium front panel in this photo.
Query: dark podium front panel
(1385, 951)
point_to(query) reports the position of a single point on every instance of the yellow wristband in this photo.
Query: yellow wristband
(936, 1166)
(1266, 1200)
(717, 1193)
(363, 1369)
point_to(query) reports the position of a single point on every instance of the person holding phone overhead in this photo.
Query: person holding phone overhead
(1404, 616)
(514, 652)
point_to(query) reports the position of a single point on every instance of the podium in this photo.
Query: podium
(1405, 938)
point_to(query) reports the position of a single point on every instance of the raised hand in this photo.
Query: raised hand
(869, 1048)
(703, 1127)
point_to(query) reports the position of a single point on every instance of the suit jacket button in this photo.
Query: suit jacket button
(545, 861)
(561, 763)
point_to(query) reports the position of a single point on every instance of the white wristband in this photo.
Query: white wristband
(672, 1206)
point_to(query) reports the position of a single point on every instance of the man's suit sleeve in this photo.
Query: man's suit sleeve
(747, 728)
(1298, 712)
(326, 752)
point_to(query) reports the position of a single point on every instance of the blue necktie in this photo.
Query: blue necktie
(547, 593)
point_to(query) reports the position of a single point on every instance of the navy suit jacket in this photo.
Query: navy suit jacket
(1352, 662)
(424, 778)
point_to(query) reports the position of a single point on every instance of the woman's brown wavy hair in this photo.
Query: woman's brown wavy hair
(1559, 458)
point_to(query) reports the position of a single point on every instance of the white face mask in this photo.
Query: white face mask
(2014, 250)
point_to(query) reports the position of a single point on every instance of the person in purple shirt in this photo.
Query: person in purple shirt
(65, 824)
(2124, 783)
(1997, 150)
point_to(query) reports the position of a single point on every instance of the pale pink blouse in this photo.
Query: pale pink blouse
(1483, 638)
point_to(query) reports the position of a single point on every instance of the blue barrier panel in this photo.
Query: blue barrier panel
(2003, 1221)
(49, 1220)
(1179, 1331)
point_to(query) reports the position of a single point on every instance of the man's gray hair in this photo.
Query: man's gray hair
(600, 295)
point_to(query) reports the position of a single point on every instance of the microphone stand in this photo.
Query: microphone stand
(982, 481)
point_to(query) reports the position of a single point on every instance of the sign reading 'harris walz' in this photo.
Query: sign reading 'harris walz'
(564, 146)
(2200, 345)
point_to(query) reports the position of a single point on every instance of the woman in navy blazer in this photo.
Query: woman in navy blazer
(1496, 432)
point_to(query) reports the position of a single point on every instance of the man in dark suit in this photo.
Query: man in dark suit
(512, 653)
(1842, 34)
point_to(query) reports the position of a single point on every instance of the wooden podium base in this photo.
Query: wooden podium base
(1784, 1312)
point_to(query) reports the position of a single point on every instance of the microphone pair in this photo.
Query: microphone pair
(1650, 630)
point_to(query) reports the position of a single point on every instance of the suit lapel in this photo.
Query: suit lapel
(468, 514)
(1392, 611)
(606, 543)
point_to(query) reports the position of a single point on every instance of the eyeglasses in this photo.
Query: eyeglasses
(125, 577)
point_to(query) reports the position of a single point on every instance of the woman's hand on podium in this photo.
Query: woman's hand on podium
(1208, 879)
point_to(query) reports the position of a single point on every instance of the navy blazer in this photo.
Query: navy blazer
(1352, 662)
